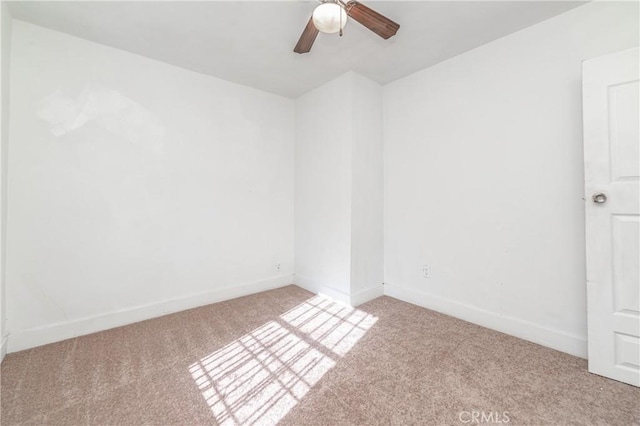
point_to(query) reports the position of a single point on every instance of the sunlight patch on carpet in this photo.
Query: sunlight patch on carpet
(337, 327)
(260, 377)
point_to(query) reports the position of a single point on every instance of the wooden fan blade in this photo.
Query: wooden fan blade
(307, 38)
(371, 19)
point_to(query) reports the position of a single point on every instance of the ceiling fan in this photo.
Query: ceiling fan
(331, 16)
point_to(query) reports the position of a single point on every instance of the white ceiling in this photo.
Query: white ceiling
(251, 42)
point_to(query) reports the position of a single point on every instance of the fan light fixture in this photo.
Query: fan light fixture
(329, 18)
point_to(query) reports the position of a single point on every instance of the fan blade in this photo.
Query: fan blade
(307, 38)
(371, 19)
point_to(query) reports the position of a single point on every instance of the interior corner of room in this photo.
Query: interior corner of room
(132, 187)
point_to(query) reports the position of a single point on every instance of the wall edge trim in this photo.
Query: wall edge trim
(323, 290)
(552, 338)
(367, 294)
(57, 332)
(3, 348)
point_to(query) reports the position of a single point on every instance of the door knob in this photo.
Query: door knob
(599, 198)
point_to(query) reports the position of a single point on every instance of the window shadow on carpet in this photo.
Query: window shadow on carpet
(260, 377)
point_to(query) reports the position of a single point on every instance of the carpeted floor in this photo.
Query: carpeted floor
(291, 357)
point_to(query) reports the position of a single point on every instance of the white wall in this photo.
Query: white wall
(484, 178)
(323, 188)
(137, 188)
(338, 195)
(366, 191)
(5, 42)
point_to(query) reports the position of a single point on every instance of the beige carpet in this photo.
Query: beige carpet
(291, 357)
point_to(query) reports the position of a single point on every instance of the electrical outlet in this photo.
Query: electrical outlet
(278, 266)
(426, 271)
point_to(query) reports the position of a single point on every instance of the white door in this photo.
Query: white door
(612, 192)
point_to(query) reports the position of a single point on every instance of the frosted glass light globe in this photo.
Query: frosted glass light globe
(327, 18)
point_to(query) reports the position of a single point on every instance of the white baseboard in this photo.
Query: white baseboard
(555, 339)
(368, 294)
(66, 330)
(337, 295)
(321, 289)
(3, 348)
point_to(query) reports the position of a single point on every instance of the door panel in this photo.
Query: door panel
(626, 251)
(611, 87)
(623, 116)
